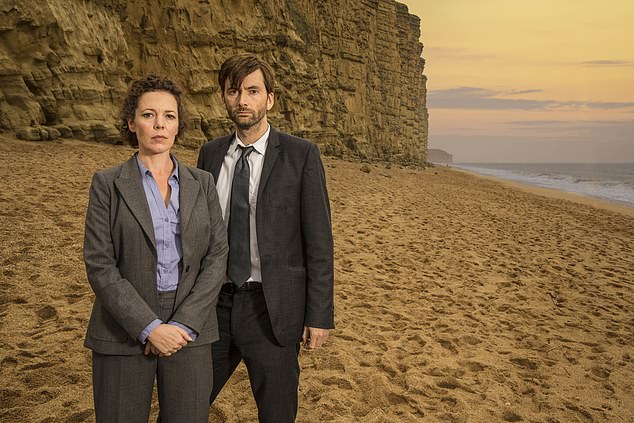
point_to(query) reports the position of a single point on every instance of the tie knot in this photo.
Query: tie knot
(245, 151)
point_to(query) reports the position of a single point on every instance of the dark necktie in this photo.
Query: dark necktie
(239, 264)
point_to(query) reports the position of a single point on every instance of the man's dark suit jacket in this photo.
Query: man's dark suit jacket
(120, 257)
(294, 233)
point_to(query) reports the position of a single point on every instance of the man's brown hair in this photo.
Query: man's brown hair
(237, 67)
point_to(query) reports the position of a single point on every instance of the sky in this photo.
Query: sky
(520, 82)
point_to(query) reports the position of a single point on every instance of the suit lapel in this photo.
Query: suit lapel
(189, 188)
(272, 151)
(219, 156)
(131, 188)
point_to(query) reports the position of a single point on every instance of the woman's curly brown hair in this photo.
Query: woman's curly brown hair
(136, 90)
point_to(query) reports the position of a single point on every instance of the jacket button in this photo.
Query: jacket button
(187, 268)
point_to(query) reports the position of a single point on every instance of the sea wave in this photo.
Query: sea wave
(606, 181)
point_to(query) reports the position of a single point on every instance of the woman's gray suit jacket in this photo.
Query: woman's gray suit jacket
(120, 257)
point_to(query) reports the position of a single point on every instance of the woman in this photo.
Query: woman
(155, 250)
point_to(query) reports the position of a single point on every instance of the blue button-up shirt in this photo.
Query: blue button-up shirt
(167, 228)
(167, 234)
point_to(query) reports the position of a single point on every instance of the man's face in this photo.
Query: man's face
(247, 104)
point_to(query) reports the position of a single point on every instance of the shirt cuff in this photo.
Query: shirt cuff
(148, 329)
(192, 333)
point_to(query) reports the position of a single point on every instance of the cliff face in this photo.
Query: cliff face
(349, 72)
(435, 155)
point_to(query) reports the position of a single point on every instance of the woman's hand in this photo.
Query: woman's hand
(165, 340)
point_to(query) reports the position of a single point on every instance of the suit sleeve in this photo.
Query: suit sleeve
(201, 158)
(195, 308)
(318, 243)
(117, 294)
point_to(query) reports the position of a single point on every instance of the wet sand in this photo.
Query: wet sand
(458, 298)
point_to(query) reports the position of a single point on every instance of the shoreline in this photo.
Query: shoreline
(555, 193)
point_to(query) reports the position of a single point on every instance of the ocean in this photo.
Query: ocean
(613, 182)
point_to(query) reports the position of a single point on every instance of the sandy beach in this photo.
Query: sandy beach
(458, 298)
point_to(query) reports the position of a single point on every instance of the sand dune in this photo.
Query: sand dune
(458, 299)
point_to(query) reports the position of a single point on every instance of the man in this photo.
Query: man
(280, 283)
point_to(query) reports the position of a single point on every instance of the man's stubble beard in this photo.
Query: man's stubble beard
(244, 125)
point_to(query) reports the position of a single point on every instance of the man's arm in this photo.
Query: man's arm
(319, 250)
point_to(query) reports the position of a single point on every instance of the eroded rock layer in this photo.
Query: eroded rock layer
(349, 72)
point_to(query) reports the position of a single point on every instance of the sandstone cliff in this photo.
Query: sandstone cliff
(435, 155)
(350, 72)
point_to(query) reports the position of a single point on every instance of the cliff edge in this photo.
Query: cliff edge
(349, 72)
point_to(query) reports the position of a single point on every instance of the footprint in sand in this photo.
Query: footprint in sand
(42, 396)
(41, 365)
(338, 382)
(448, 345)
(451, 402)
(585, 413)
(524, 363)
(8, 364)
(79, 417)
(473, 366)
(396, 399)
(600, 372)
(47, 312)
(10, 398)
(452, 383)
(510, 416)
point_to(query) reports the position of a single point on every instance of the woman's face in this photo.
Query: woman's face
(155, 122)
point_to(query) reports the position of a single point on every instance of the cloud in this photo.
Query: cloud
(571, 123)
(518, 92)
(575, 129)
(455, 53)
(487, 99)
(607, 63)
(480, 98)
(604, 105)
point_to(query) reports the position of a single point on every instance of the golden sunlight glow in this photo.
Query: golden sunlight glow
(550, 63)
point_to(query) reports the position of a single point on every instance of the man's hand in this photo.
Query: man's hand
(314, 337)
(165, 340)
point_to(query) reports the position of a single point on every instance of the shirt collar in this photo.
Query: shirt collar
(259, 145)
(145, 171)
